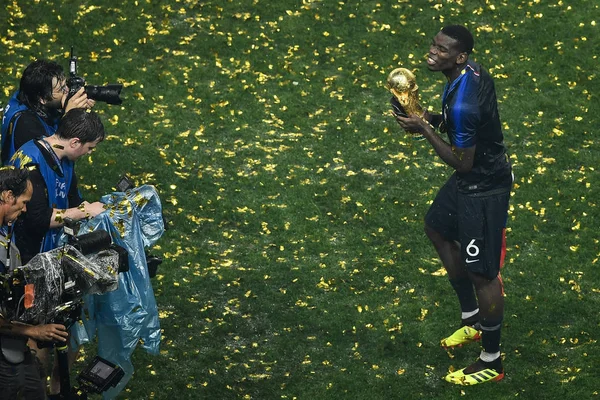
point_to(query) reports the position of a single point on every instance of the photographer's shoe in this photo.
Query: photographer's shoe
(479, 372)
(465, 334)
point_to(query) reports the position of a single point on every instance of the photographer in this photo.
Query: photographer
(19, 372)
(36, 108)
(55, 193)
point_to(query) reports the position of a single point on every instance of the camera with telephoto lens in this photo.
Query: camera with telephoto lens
(94, 242)
(108, 94)
(50, 289)
(74, 283)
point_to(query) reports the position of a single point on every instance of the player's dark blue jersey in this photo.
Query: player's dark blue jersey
(470, 114)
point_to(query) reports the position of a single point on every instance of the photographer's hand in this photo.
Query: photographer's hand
(78, 100)
(48, 333)
(84, 210)
(92, 209)
(42, 333)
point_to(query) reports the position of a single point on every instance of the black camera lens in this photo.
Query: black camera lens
(108, 94)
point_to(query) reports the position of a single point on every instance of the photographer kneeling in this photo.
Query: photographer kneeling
(19, 371)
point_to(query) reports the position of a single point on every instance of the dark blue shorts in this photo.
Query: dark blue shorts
(476, 221)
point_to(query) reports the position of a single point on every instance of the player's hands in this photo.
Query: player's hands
(92, 209)
(427, 116)
(78, 100)
(49, 333)
(413, 123)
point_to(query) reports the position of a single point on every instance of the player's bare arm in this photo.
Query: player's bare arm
(458, 158)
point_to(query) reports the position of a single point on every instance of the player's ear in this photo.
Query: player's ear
(462, 58)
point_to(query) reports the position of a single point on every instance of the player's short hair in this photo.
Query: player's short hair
(81, 124)
(36, 82)
(13, 179)
(462, 36)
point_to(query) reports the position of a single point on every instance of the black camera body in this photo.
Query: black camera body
(94, 242)
(108, 94)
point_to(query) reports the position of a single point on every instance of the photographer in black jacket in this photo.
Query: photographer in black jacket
(19, 370)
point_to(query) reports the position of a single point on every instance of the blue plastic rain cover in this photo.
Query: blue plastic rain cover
(127, 316)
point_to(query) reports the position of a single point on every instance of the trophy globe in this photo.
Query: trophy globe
(403, 85)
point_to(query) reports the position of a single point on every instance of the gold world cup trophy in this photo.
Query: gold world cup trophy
(402, 83)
